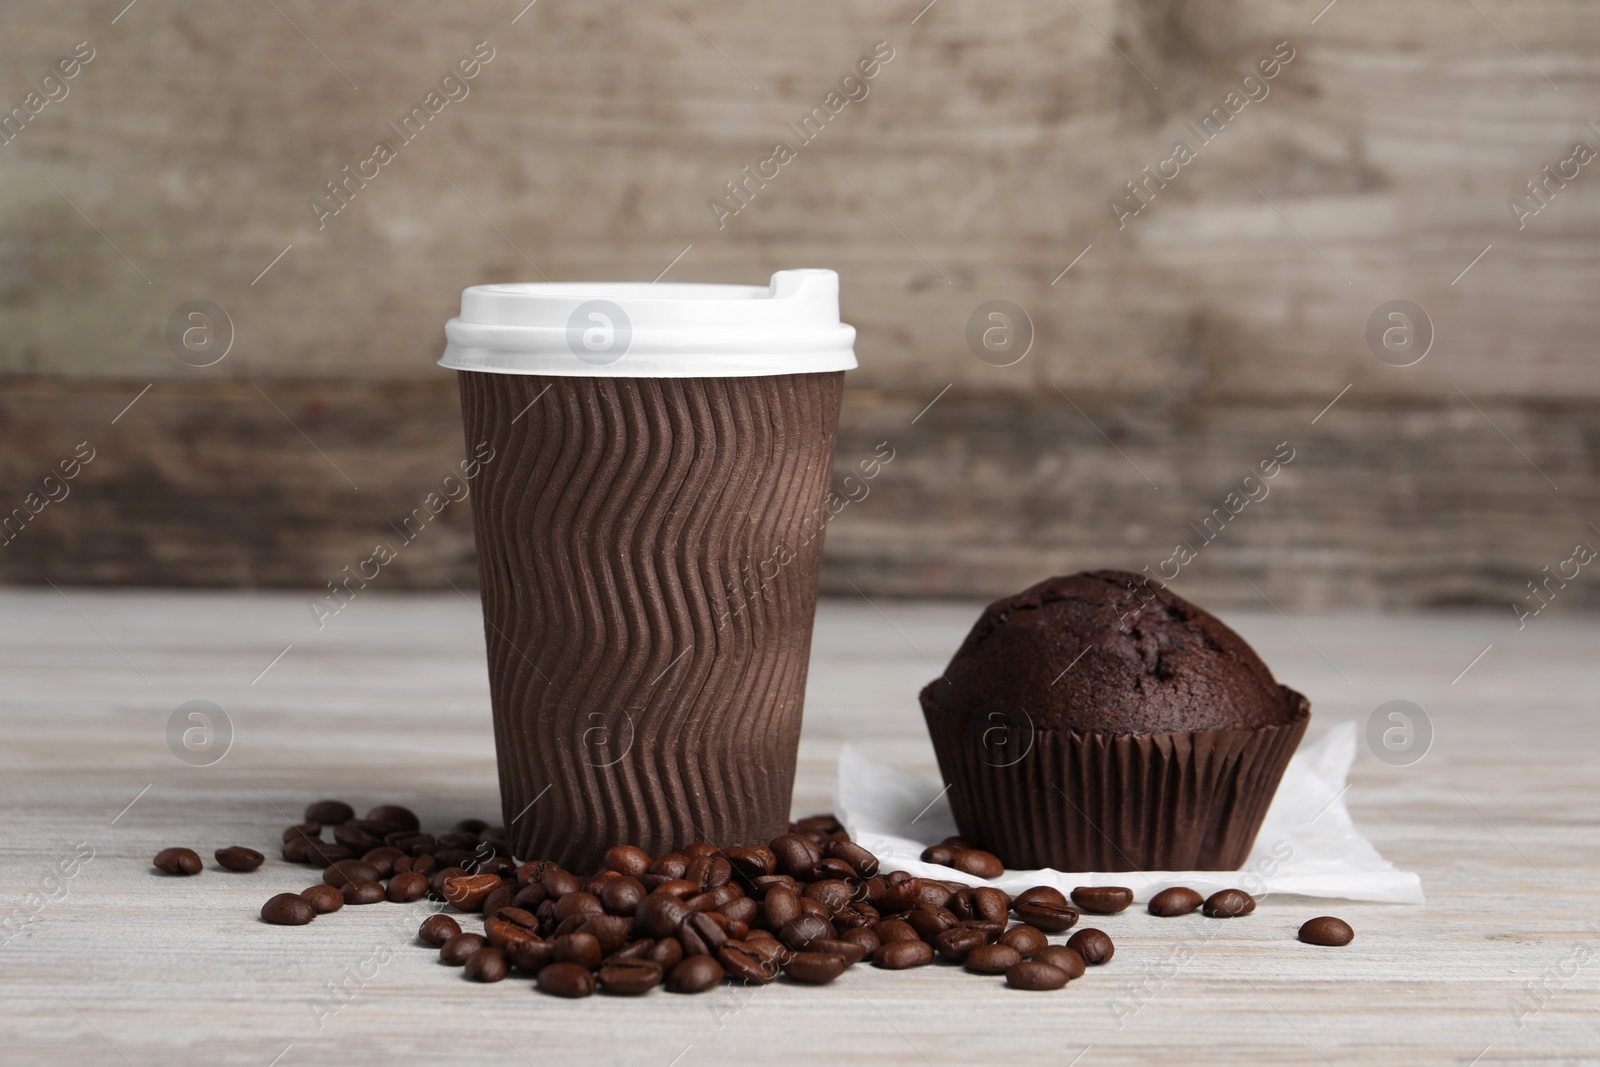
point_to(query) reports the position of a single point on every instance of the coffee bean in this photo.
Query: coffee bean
(831, 893)
(694, 974)
(500, 898)
(559, 883)
(942, 855)
(815, 909)
(798, 933)
(1029, 941)
(742, 909)
(1179, 900)
(487, 965)
(825, 825)
(330, 812)
(394, 815)
(437, 929)
(424, 865)
(621, 895)
(287, 909)
(796, 856)
(531, 956)
(815, 968)
(1063, 959)
(934, 893)
(1102, 899)
(669, 865)
(709, 930)
(345, 871)
(305, 829)
(895, 930)
(960, 844)
(753, 861)
(1033, 975)
(901, 896)
(681, 888)
(1228, 903)
(930, 922)
(178, 861)
(439, 877)
(900, 955)
(468, 892)
(459, 949)
(566, 980)
(992, 959)
(501, 932)
(979, 864)
(633, 950)
(363, 892)
(957, 943)
(668, 952)
(629, 977)
(745, 964)
(356, 837)
(852, 952)
(469, 826)
(1326, 930)
(1049, 911)
(1093, 945)
(323, 898)
(578, 904)
(990, 904)
(627, 859)
(239, 858)
(406, 887)
(862, 862)
(582, 949)
(828, 867)
(864, 938)
(383, 858)
(659, 915)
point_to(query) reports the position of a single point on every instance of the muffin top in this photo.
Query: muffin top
(1110, 652)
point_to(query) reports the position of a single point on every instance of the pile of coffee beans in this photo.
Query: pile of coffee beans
(805, 906)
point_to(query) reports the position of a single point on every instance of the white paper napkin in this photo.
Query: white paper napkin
(1307, 844)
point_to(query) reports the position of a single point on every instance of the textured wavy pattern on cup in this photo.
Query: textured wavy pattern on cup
(1111, 802)
(648, 633)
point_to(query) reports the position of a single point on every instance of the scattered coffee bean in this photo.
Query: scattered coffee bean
(566, 980)
(345, 871)
(815, 968)
(1179, 900)
(468, 892)
(1027, 940)
(1045, 907)
(862, 862)
(531, 956)
(287, 909)
(629, 977)
(1228, 903)
(1326, 930)
(582, 949)
(864, 938)
(942, 855)
(239, 858)
(1063, 959)
(660, 914)
(979, 863)
(798, 933)
(900, 955)
(744, 964)
(363, 892)
(383, 859)
(393, 815)
(330, 812)
(1093, 945)
(436, 929)
(1102, 899)
(628, 860)
(1033, 975)
(323, 898)
(406, 887)
(178, 861)
(459, 949)
(992, 959)
(668, 952)
(958, 942)
(487, 965)
(990, 904)
(796, 855)
(694, 974)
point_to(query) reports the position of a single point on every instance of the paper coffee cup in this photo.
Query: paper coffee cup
(649, 530)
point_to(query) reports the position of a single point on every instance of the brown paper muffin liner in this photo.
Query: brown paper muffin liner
(1111, 802)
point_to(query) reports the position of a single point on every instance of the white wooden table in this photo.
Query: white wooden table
(116, 963)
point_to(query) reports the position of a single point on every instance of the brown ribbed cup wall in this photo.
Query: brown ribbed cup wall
(1087, 802)
(647, 553)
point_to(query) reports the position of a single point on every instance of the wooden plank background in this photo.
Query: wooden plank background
(1218, 321)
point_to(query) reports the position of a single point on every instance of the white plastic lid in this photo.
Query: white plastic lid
(644, 330)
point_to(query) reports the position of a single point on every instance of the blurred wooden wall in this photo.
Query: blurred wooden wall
(1184, 343)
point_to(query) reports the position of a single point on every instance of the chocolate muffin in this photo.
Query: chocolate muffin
(1100, 722)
